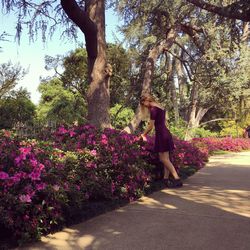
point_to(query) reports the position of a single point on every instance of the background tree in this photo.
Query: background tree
(9, 76)
(16, 109)
(198, 61)
(60, 105)
(70, 84)
(89, 16)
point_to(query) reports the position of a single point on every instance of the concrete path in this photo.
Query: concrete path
(211, 211)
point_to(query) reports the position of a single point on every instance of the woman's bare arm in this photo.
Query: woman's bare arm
(149, 127)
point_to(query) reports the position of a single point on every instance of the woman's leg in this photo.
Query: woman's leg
(166, 173)
(168, 166)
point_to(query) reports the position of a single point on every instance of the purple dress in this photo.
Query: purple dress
(163, 138)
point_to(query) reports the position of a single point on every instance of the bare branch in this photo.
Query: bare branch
(214, 120)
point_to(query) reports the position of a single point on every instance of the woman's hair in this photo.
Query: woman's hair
(145, 115)
(147, 97)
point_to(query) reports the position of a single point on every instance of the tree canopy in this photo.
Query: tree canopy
(188, 55)
(236, 10)
(9, 76)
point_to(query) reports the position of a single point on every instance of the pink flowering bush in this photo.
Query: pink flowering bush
(29, 206)
(44, 185)
(51, 182)
(211, 145)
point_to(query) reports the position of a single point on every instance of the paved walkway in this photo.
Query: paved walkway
(211, 211)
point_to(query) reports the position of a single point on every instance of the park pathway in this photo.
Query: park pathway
(211, 211)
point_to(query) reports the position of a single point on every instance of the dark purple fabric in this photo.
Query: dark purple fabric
(163, 138)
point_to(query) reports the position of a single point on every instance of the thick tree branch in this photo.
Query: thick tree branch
(237, 10)
(83, 21)
(214, 120)
(193, 33)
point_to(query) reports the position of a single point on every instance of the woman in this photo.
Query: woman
(163, 138)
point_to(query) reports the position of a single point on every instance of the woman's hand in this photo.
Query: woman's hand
(144, 138)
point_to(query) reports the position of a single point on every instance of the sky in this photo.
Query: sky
(31, 55)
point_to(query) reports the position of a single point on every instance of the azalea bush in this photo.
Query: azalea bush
(44, 185)
(211, 145)
(52, 181)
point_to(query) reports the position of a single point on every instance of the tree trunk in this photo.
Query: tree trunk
(91, 21)
(245, 32)
(174, 92)
(195, 117)
(192, 110)
(170, 85)
(182, 81)
(148, 74)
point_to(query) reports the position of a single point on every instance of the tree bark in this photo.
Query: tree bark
(245, 32)
(182, 81)
(237, 10)
(195, 120)
(174, 93)
(148, 74)
(171, 68)
(192, 110)
(91, 21)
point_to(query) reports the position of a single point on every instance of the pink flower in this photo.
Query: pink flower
(25, 198)
(35, 175)
(18, 176)
(91, 165)
(66, 186)
(19, 159)
(56, 187)
(104, 139)
(93, 152)
(3, 176)
(40, 167)
(6, 133)
(26, 217)
(41, 186)
(62, 130)
(33, 162)
(72, 133)
(25, 150)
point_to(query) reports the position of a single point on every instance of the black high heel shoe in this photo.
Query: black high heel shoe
(173, 183)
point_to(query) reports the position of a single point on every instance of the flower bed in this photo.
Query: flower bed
(211, 145)
(48, 183)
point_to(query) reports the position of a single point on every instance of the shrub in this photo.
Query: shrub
(179, 130)
(120, 116)
(225, 144)
(45, 185)
(230, 128)
(203, 133)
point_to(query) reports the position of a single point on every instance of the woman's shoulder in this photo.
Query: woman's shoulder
(157, 107)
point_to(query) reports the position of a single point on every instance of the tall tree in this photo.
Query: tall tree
(205, 44)
(89, 16)
(60, 105)
(16, 109)
(91, 21)
(72, 70)
(9, 76)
